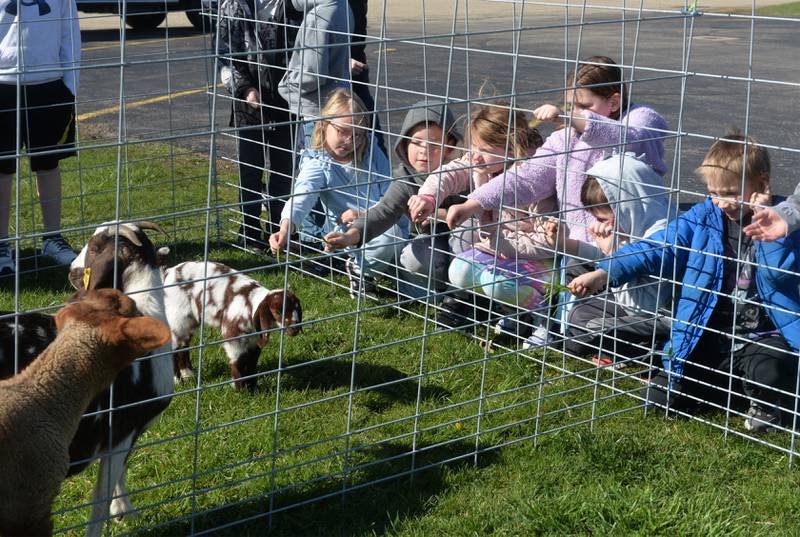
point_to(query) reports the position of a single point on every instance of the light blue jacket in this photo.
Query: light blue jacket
(339, 186)
(694, 243)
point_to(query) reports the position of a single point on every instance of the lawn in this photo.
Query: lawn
(361, 426)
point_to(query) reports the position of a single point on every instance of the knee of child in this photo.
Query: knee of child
(460, 273)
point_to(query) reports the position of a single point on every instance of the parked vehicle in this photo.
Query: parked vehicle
(147, 15)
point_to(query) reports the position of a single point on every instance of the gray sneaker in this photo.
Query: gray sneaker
(7, 267)
(761, 419)
(58, 249)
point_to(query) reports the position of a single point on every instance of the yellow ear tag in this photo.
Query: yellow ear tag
(87, 275)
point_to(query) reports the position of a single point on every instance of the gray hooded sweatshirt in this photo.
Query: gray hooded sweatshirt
(321, 60)
(394, 203)
(640, 202)
(790, 210)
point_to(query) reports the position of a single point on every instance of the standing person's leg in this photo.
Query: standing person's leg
(51, 126)
(281, 170)
(6, 259)
(251, 167)
(8, 164)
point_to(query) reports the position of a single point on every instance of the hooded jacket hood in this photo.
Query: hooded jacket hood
(635, 192)
(639, 199)
(432, 112)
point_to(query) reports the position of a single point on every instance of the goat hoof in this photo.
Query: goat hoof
(121, 507)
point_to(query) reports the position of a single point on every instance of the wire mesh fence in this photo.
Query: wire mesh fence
(406, 238)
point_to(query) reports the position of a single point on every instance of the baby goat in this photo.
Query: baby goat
(41, 407)
(240, 307)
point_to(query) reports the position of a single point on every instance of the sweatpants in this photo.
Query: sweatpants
(755, 373)
(598, 326)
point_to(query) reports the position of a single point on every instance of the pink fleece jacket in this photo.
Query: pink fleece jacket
(518, 235)
(558, 168)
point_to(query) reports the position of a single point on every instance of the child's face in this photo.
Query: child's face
(585, 99)
(604, 215)
(342, 137)
(425, 149)
(725, 192)
(490, 158)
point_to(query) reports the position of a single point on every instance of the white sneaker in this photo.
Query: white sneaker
(7, 267)
(540, 338)
(58, 249)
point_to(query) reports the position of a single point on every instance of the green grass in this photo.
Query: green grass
(630, 474)
(789, 9)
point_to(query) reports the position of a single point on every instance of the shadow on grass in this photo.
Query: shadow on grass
(38, 275)
(387, 381)
(380, 491)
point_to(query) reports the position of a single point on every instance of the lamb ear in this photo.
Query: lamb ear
(145, 333)
(263, 320)
(161, 256)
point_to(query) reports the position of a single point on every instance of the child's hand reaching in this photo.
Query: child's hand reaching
(767, 225)
(549, 113)
(420, 208)
(253, 98)
(336, 241)
(588, 283)
(457, 214)
(553, 229)
(349, 216)
(602, 233)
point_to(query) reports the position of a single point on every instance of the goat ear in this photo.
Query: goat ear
(144, 333)
(263, 320)
(161, 256)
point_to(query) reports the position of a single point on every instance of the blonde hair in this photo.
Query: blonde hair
(341, 103)
(725, 160)
(498, 125)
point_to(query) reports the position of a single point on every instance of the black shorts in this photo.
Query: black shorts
(47, 124)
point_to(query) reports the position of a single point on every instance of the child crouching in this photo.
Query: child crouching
(628, 201)
(736, 301)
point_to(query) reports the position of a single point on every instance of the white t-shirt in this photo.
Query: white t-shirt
(40, 41)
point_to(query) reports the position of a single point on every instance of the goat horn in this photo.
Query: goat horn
(128, 233)
(146, 224)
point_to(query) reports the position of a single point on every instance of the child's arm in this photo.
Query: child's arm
(655, 255)
(779, 262)
(526, 183)
(452, 178)
(70, 48)
(310, 180)
(643, 130)
(378, 218)
(773, 223)
(588, 283)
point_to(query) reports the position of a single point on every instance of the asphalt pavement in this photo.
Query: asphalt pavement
(167, 74)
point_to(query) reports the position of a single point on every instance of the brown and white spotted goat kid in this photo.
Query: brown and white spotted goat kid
(243, 310)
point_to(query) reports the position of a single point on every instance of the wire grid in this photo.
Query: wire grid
(378, 388)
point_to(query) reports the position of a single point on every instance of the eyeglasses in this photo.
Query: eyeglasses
(347, 130)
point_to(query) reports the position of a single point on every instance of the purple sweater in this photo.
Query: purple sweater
(559, 168)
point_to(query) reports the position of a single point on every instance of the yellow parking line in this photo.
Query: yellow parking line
(129, 43)
(136, 104)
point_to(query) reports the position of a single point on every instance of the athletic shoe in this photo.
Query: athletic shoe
(58, 249)
(357, 285)
(762, 420)
(514, 326)
(540, 338)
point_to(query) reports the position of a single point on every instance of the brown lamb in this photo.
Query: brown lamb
(41, 407)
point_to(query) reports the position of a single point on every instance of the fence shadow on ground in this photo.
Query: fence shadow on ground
(384, 493)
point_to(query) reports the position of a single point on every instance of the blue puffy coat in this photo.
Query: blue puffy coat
(693, 246)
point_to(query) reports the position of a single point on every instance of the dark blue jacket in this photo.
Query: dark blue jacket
(693, 247)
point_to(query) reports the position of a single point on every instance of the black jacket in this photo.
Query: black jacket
(251, 55)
